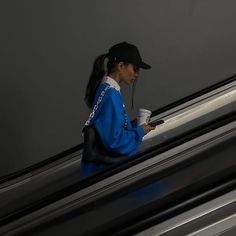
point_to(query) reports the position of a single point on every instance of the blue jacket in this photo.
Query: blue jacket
(111, 120)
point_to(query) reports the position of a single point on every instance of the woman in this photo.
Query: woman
(112, 123)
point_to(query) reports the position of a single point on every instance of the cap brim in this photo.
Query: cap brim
(145, 66)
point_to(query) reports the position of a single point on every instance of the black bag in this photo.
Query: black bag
(94, 150)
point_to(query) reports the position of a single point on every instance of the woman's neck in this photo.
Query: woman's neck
(115, 76)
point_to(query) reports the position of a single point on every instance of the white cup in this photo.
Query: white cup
(143, 116)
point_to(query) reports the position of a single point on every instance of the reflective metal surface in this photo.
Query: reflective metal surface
(49, 179)
(211, 218)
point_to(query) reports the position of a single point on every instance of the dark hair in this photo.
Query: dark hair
(97, 75)
(95, 79)
(133, 91)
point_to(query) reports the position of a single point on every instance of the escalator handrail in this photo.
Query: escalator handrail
(68, 192)
(79, 147)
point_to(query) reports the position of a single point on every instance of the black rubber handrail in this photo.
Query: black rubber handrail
(80, 146)
(116, 168)
(215, 185)
(40, 164)
(195, 95)
(174, 205)
(153, 151)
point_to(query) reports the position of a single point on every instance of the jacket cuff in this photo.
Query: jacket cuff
(140, 132)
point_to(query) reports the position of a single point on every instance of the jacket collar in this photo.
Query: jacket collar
(111, 82)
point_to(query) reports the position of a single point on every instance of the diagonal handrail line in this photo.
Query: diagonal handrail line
(80, 146)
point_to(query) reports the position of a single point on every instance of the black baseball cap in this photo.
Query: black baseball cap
(127, 52)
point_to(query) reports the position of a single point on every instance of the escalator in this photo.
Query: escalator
(191, 161)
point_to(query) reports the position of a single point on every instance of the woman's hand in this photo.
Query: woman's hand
(147, 128)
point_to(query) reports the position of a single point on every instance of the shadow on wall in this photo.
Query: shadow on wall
(14, 117)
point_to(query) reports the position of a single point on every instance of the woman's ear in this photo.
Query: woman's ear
(120, 66)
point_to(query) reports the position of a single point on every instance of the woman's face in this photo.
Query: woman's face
(128, 73)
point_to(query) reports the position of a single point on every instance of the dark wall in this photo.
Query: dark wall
(47, 48)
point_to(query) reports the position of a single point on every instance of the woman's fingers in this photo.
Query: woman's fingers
(147, 128)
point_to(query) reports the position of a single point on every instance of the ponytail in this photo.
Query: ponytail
(95, 79)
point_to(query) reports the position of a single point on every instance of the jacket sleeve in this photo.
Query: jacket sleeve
(110, 122)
